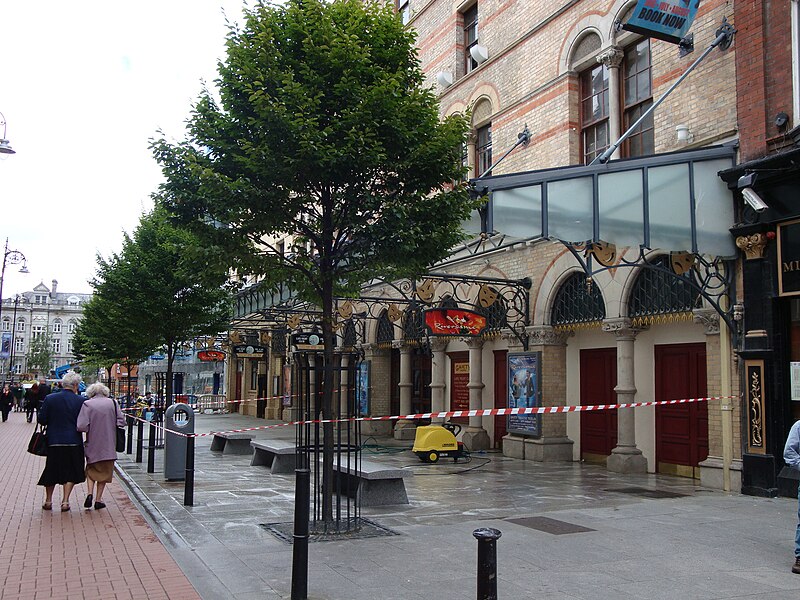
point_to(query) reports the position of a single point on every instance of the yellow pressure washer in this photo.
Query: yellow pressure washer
(435, 441)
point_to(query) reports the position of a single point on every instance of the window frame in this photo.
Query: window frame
(483, 149)
(632, 110)
(585, 79)
(404, 10)
(470, 27)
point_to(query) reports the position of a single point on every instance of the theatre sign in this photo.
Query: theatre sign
(667, 20)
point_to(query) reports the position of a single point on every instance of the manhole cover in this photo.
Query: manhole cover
(549, 525)
(362, 528)
(646, 493)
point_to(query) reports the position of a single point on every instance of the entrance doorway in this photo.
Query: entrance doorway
(681, 429)
(598, 380)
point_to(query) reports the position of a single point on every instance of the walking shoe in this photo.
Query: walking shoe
(796, 566)
(99, 505)
(88, 502)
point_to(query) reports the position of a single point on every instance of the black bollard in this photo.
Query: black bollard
(302, 497)
(139, 440)
(129, 418)
(188, 481)
(487, 562)
(151, 449)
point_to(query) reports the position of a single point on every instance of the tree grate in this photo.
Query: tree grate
(366, 529)
(548, 525)
(647, 493)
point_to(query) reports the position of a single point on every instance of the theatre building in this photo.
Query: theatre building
(639, 279)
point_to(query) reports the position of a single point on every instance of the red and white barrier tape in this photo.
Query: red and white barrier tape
(489, 412)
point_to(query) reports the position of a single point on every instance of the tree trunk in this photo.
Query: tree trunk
(327, 406)
(171, 346)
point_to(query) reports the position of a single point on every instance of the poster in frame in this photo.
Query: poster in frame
(287, 385)
(362, 388)
(524, 390)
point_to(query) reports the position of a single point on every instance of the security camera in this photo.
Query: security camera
(753, 200)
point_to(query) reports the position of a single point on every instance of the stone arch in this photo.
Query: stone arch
(484, 91)
(592, 24)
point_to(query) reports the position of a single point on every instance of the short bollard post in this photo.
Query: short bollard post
(129, 418)
(139, 440)
(487, 562)
(302, 498)
(188, 485)
(151, 449)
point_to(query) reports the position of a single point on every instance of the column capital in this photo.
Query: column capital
(401, 345)
(439, 344)
(473, 343)
(547, 335)
(623, 328)
(708, 318)
(611, 57)
(753, 245)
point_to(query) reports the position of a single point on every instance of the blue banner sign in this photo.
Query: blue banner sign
(5, 349)
(667, 20)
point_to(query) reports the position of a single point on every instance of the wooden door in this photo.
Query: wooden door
(681, 429)
(500, 394)
(420, 382)
(598, 380)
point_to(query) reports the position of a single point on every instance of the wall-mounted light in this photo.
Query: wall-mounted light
(479, 53)
(683, 133)
(444, 78)
(5, 146)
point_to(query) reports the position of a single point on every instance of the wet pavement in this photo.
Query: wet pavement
(568, 531)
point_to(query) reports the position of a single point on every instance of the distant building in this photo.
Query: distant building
(42, 311)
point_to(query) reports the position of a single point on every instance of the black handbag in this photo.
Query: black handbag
(38, 443)
(120, 439)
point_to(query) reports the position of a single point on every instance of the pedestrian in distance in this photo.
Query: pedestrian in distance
(44, 390)
(19, 395)
(6, 401)
(99, 418)
(791, 454)
(65, 462)
(31, 401)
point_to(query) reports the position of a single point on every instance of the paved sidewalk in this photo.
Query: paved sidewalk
(108, 554)
(604, 536)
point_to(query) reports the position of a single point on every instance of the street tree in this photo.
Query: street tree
(326, 137)
(152, 295)
(40, 354)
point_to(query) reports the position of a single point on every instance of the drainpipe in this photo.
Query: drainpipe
(726, 404)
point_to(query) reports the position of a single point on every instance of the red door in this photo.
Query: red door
(681, 429)
(500, 394)
(598, 380)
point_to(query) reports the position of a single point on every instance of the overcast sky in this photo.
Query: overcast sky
(84, 85)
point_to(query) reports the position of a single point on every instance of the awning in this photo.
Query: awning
(673, 202)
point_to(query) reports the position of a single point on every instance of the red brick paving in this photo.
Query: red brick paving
(108, 554)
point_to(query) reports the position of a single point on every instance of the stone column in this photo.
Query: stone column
(344, 385)
(438, 376)
(553, 444)
(626, 457)
(379, 392)
(612, 57)
(405, 429)
(475, 437)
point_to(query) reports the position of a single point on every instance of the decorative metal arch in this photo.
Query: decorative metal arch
(577, 303)
(506, 301)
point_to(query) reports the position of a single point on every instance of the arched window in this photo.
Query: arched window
(20, 324)
(6, 324)
(349, 334)
(57, 326)
(385, 329)
(577, 301)
(413, 324)
(71, 326)
(661, 292)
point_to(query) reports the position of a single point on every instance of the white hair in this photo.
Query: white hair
(97, 389)
(71, 379)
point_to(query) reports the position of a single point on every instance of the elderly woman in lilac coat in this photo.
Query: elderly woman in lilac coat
(99, 418)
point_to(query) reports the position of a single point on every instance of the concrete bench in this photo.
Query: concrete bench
(377, 484)
(232, 443)
(279, 455)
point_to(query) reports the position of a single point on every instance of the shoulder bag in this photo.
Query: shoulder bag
(38, 443)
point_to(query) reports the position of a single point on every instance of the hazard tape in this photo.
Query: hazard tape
(488, 412)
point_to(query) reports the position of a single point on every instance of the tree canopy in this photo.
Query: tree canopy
(153, 294)
(325, 135)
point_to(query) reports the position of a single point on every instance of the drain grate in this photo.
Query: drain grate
(549, 525)
(647, 493)
(367, 529)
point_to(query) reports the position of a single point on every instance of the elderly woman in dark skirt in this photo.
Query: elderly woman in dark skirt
(99, 418)
(64, 464)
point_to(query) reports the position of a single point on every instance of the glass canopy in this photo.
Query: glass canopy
(673, 202)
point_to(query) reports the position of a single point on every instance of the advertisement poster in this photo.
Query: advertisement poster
(362, 388)
(524, 391)
(667, 20)
(459, 380)
(287, 385)
(5, 349)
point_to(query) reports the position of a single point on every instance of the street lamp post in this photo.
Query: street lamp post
(10, 257)
(5, 147)
(13, 340)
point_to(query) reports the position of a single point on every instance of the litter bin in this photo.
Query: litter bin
(180, 418)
